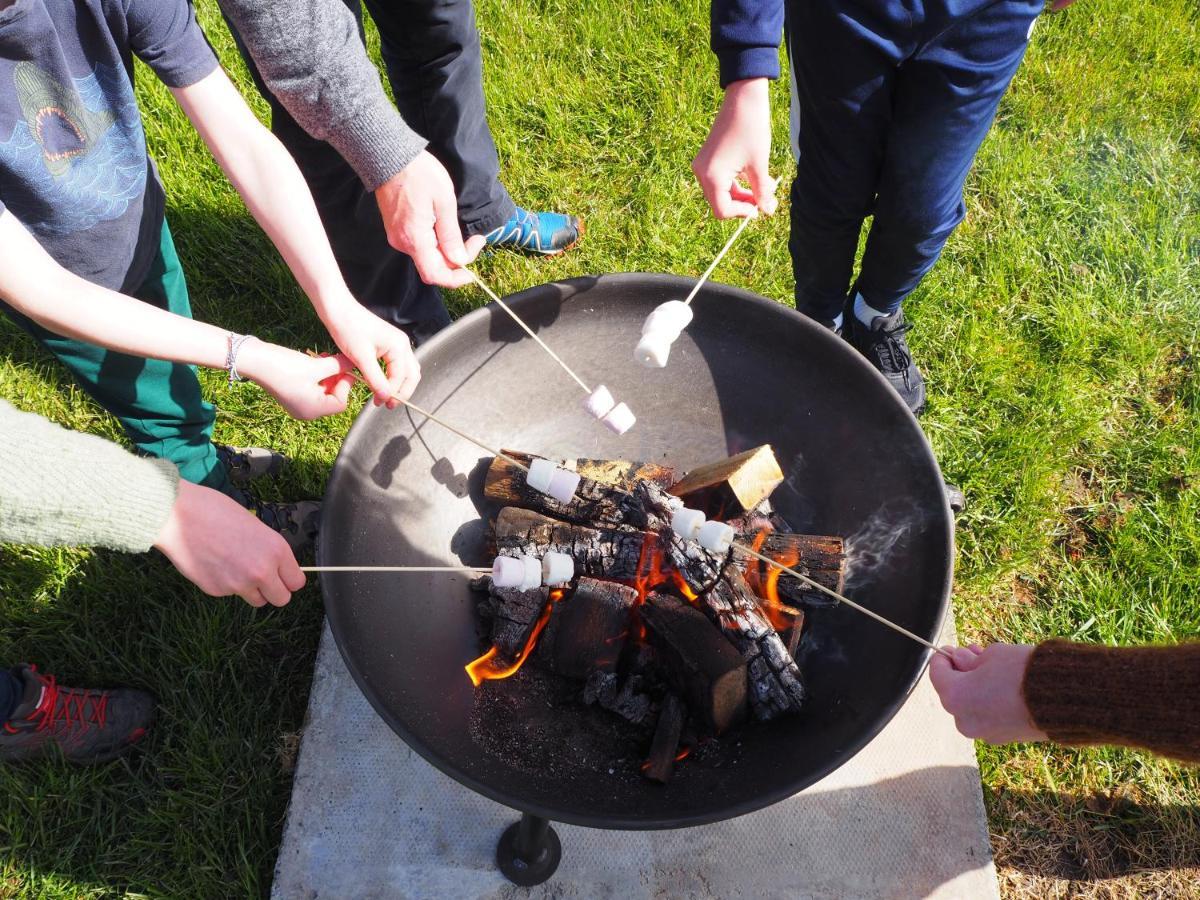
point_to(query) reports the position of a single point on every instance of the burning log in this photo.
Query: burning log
(822, 558)
(617, 473)
(660, 764)
(599, 553)
(515, 614)
(704, 665)
(733, 486)
(587, 630)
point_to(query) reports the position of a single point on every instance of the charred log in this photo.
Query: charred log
(821, 557)
(587, 630)
(618, 473)
(628, 698)
(594, 504)
(599, 553)
(661, 762)
(704, 666)
(513, 617)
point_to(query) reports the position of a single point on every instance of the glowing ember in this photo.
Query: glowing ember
(485, 668)
(682, 754)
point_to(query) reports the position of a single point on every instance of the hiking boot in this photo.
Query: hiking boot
(297, 521)
(85, 726)
(885, 347)
(545, 233)
(244, 464)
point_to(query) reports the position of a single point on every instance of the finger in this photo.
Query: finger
(289, 573)
(431, 265)
(975, 648)
(474, 246)
(762, 185)
(941, 672)
(328, 365)
(445, 225)
(253, 597)
(274, 590)
(376, 380)
(409, 371)
(726, 207)
(966, 660)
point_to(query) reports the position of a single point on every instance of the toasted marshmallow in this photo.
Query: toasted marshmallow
(563, 484)
(687, 523)
(620, 419)
(669, 318)
(653, 350)
(507, 572)
(557, 569)
(532, 577)
(716, 537)
(599, 403)
(540, 473)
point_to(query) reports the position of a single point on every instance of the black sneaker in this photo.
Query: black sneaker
(297, 521)
(244, 464)
(885, 347)
(84, 726)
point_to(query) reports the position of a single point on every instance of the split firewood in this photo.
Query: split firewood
(514, 615)
(587, 629)
(599, 553)
(705, 667)
(665, 747)
(821, 557)
(733, 486)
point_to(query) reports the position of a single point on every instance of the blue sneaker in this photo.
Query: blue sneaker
(545, 233)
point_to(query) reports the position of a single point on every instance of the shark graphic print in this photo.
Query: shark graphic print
(78, 152)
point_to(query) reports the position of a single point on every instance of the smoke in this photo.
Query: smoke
(871, 549)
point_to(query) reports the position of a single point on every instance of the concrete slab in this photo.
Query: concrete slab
(371, 819)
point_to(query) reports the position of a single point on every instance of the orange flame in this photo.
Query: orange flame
(683, 587)
(485, 668)
(780, 615)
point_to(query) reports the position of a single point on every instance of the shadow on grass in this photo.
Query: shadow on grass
(1092, 837)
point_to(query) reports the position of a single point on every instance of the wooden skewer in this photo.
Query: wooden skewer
(396, 569)
(529, 331)
(729, 243)
(836, 596)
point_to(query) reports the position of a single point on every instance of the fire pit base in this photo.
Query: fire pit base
(529, 851)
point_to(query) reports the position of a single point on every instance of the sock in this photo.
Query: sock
(865, 313)
(838, 321)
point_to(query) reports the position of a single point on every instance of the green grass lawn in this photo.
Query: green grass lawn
(1059, 335)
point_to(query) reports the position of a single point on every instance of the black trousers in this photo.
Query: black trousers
(431, 50)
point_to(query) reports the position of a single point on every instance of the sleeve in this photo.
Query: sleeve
(165, 35)
(745, 37)
(63, 488)
(312, 58)
(1147, 697)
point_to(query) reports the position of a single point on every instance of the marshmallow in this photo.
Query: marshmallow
(563, 484)
(687, 523)
(541, 471)
(619, 419)
(599, 403)
(557, 569)
(653, 350)
(716, 537)
(507, 572)
(668, 318)
(533, 573)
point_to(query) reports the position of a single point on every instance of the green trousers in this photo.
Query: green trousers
(158, 403)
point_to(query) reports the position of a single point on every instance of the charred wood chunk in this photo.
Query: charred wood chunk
(599, 553)
(821, 557)
(704, 666)
(733, 486)
(776, 686)
(661, 762)
(515, 614)
(587, 630)
(629, 698)
(594, 504)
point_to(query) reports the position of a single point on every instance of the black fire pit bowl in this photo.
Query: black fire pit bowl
(747, 371)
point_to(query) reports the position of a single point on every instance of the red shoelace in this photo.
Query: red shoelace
(73, 711)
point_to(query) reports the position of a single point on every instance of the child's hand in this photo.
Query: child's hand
(224, 549)
(308, 387)
(739, 147)
(982, 690)
(366, 339)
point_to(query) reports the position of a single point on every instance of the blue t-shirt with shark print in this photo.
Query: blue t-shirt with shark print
(74, 168)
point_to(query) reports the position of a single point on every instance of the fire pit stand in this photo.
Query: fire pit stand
(529, 851)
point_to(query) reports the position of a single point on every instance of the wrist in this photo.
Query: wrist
(170, 535)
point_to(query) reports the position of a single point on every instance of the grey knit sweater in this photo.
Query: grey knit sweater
(63, 488)
(312, 57)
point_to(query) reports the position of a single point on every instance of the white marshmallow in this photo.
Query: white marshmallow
(563, 484)
(540, 473)
(533, 573)
(670, 318)
(716, 537)
(619, 419)
(653, 350)
(557, 569)
(687, 523)
(599, 403)
(507, 572)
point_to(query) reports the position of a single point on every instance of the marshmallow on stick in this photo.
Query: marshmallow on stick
(528, 572)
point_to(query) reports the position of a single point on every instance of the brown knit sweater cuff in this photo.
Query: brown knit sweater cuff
(1146, 697)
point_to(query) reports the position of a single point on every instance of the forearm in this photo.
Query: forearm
(62, 488)
(745, 38)
(1146, 697)
(312, 59)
